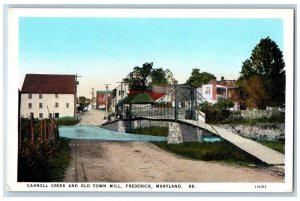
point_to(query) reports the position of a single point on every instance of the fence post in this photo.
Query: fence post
(41, 129)
(20, 133)
(45, 130)
(32, 128)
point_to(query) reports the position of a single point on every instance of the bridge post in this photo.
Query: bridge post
(176, 104)
(192, 103)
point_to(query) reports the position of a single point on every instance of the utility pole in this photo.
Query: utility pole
(106, 98)
(75, 96)
(93, 93)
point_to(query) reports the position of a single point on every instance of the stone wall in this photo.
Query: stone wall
(254, 114)
(259, 131)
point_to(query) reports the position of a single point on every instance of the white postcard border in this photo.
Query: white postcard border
(13, 65)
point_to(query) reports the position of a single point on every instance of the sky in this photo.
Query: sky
(104, 50)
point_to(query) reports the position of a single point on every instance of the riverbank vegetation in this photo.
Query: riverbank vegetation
(276, 145)
(43, 161)
(67, 121)
(207, 151)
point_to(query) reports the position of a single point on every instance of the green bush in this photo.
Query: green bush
(216, 112)
(67, 121)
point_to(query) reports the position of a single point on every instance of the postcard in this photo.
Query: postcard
(150, 100)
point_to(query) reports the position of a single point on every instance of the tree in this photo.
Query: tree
(158, 77)
(267, 65)
(137, 79)
(83, 101)
(146, 75)
(197, 78)
(257, 96)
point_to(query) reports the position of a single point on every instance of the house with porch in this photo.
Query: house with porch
(215, 90)
(48, 95)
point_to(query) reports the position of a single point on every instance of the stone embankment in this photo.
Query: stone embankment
(258, 131)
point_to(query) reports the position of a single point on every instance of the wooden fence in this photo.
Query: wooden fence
(37, 130)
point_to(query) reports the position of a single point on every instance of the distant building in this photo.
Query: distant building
(119, 93)
(215, 90)
(101, 99)
(48, 95)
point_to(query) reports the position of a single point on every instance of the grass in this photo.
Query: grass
(67, 121)
(155, 131)
(206, 151)
(276, 145)
(60, 161)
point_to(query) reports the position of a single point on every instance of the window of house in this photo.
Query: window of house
(41, 115)
(207, 90)
(121, 93)
(56, 104)
(67, 105)
(40, 96)
(29, 96)
(56, 95)
(40, 105)
(56, 115)
(50, 115)
(29, 105)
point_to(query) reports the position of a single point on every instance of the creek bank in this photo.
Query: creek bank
(262, 131)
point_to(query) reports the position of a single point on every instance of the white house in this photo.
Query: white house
(212, 92)
(121, 92)
(48, 95)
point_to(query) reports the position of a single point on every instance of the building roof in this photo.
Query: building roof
(104, 91)
(153, 95)
(140, 98)
(49, 84)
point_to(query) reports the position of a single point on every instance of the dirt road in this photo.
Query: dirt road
(98, 161)
(92, 117)
(104, 161)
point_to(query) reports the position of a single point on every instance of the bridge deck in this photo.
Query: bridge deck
(257, 150)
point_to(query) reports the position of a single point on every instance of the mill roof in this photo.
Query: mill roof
(49, 84)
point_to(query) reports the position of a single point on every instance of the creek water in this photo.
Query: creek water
(98, 133)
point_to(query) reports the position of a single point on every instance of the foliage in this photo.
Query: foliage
(197, 78)
(276, 145)
(146, 75)
(67, 121)
(83, 101)
(158, 77)
(224, 104)
(216, 112)
(209, 151)
(43, 161)
(154, 130)
(266, 64)
(255, 90)
(138, 77)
